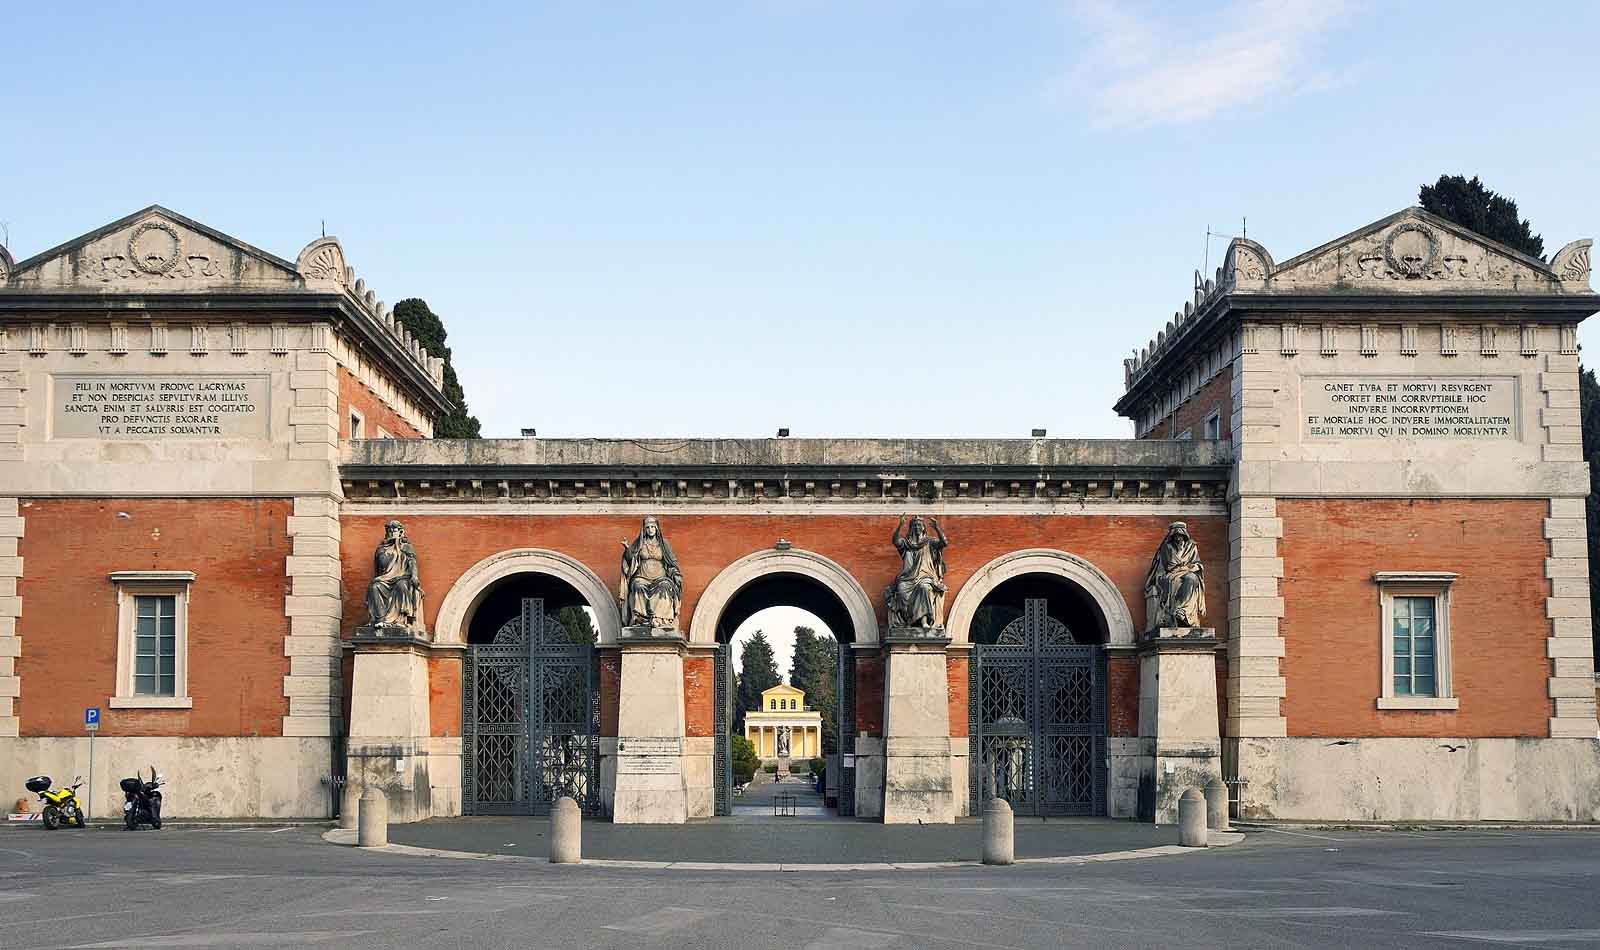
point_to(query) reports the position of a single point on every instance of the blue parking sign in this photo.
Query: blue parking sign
(91, 718)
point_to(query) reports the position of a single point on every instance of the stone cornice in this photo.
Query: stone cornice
(782, 471)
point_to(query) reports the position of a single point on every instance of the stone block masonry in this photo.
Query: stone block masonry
(312, 606)
(11, 529)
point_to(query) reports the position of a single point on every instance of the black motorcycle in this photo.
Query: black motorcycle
(143, 805)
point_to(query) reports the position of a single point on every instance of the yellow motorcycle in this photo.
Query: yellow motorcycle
(60, 806)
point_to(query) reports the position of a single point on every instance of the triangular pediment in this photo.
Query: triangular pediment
(1413, 251)
(154, 250)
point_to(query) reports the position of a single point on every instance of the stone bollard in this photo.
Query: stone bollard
(1192, 819)
(566, 832)
(374, 820)
(349, 806)
(1216, 805)
(999, 833)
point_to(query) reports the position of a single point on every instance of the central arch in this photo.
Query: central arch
(733, 578)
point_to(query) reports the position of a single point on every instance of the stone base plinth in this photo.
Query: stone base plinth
(1178, 716)
(917, 783)
(650, 787)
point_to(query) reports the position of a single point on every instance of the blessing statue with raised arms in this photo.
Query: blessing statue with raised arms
(916, 598)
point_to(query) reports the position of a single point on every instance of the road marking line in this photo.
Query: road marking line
(662, 921)
(1268, 913)
(1520, 936)
(843, 938)
(1302, 834)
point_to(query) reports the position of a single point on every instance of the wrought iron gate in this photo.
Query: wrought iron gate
(846, 739)
(722, 762)
(530, 719)
(1036, 705)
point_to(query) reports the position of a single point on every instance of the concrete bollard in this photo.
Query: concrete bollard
(349, 806)
(999, 833)
(374, 820)
(1192, 819)
(566, 832)
(1216, 805)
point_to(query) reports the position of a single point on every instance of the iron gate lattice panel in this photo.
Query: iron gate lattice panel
(531, 719)
(1036, 717)
(846, 738)
(722, 760)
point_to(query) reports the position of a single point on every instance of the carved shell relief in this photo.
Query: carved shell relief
(326, 264)
(1248, 266)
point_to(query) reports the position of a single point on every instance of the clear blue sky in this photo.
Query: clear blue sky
(849, 219)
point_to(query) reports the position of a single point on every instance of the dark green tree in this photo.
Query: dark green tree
(1473, 206)
(425, 325)
(1589, 410)
(758, 672)
(745, 760)
(814, 670)
(579, 627)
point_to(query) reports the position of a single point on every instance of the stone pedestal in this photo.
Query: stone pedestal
(917, 784)
(391, 731)
(1178, 716)
(650, 730)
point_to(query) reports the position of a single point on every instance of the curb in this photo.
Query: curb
(347, 837)
(107, 824)
(1415, 826)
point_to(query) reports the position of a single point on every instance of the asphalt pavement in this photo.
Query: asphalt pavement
(264, 887)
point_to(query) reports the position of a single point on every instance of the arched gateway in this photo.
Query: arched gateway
(298, 581)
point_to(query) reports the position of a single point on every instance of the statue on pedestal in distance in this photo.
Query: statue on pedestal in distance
(652, 586)
(1175, 589)
(394, 596)
(916, 598)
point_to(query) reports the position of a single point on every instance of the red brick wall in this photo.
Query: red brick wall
(1122, 690)
(353, 394)
(236, 624)
(1331, 623)
(1191, 414)
(699, 696)
(1119, 545)
(444, 693)
(610, 690)
(869, 695)
(956, 670)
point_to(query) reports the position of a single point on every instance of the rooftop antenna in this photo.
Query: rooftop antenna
(5, 234)
(324, 227)
(1206, 267)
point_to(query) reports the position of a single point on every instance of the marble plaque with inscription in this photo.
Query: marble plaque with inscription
(148, 406)
(649, 755)
(1466, 408)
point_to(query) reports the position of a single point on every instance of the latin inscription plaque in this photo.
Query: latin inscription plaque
(140, 406)
(649, 755)
(1465, 408)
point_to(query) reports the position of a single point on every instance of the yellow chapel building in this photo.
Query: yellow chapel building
(785, 727)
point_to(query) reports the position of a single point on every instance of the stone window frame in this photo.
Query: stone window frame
(358, 424)
(1435, 584)
(131, 585)
(1214, 417)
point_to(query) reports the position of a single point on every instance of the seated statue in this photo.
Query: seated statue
(394, 596)
(916, 598)
(1175, 589)
(652, 585)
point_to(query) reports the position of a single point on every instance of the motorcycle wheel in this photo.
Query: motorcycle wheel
(130, 821)
(52, 817)
(155, 815)
(83, 820)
